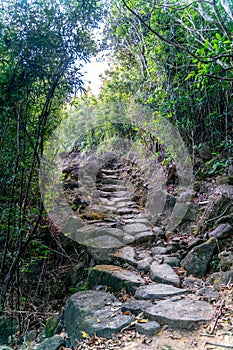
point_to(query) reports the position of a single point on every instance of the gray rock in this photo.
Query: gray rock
(158, 291)
(184, 313)
(53, 343)
(126, 254)
(208, 294)
(114, 232)
(102, 248)
(143, 237)
(149, 328)
(205, 151)
(195, 242)
(123, 211)
(114, 277)
(172, 261)
(222, 231)
(159, 232)
(159, 250)
(144, 265)
(124, 195)
(197, 260)
(93, 312)
(226, 261)
(133, 229)
(128, 239)
(138, 221)
(112, 188)
(220, 278)
(163, 273)
(135, 306)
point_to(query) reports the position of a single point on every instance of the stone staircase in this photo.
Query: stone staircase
(134, 273)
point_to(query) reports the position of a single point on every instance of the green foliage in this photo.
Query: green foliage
(42, 48)
(178, 60)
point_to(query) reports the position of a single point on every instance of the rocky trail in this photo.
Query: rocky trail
(146, 287)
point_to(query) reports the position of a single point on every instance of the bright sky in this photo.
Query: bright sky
(94, 69)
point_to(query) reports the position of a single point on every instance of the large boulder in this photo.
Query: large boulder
(197, 260)
(93, 312)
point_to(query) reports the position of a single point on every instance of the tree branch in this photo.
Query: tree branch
(208, 59)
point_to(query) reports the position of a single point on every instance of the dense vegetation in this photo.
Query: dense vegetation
(174, 57)
(43, 47)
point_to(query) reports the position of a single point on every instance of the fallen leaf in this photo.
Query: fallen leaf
(143, 320)
(127, 312)
(85, 335)
(160, 332)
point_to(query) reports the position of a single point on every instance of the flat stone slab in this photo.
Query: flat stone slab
(184, 313)
(114, 277)
(158, 291)
(163, 273)
(133, 229)
(93, 312)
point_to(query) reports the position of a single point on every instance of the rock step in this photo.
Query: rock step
(182, 314)
(158, 291)
(109, 181)
(115, 277)
(111, 188)
(109, 171)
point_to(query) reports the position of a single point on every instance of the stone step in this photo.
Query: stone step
(182, 314)
(158, 291)
(114, 277)
(109, 181)
(111, 188)
(110, 171)
(134, 228)
(126, 210)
